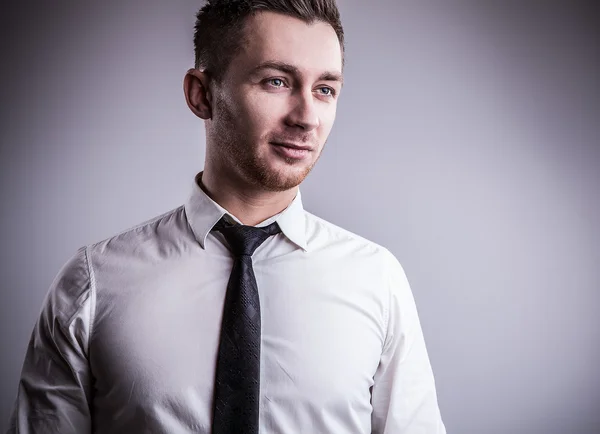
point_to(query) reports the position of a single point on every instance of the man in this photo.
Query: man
(238, 312)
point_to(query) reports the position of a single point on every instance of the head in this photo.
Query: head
(267, 79)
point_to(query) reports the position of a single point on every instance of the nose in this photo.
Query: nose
(303, 113)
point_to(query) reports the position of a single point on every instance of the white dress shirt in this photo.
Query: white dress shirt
(128, 335)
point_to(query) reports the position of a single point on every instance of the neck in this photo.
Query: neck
(249, 205)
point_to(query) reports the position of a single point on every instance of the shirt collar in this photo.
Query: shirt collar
(203, 213)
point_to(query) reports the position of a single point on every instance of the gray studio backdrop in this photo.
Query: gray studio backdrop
(467, 142)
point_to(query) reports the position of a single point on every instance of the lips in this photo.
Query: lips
(292, 146)
(292, 151)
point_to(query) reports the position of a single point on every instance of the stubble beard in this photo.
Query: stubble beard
(237, 155)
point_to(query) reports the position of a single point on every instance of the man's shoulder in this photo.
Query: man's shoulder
(321, 232)
(162, 228)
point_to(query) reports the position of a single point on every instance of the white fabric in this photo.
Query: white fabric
(128, 334)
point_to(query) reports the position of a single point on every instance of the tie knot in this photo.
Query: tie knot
(244, 240)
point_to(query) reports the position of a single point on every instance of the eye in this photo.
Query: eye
(276, 82)
(327, 91)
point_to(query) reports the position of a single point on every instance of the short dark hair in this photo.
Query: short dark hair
(218, 33)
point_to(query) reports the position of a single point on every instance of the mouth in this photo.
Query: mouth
(292, 146)
(292, 151)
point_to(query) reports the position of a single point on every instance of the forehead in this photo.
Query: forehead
(269, 36)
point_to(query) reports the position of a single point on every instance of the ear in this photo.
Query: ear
(197, 94)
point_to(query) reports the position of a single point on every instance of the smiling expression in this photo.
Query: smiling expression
(275, 106)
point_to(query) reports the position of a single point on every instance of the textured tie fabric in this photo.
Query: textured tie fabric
(237, 379)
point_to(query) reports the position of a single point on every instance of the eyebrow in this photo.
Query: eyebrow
(292, 70)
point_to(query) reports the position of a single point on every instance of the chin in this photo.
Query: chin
(282, 178)
(272, 172)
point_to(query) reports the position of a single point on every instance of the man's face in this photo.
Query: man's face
(276, 104)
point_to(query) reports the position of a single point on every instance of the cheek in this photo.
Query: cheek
(262, 112)
(327, 117)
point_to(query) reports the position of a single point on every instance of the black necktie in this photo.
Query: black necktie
(237, 379)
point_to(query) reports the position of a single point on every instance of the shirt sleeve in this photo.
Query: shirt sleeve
(54, 392)
(404, 398)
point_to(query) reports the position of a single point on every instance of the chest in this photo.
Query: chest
(156, 336)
